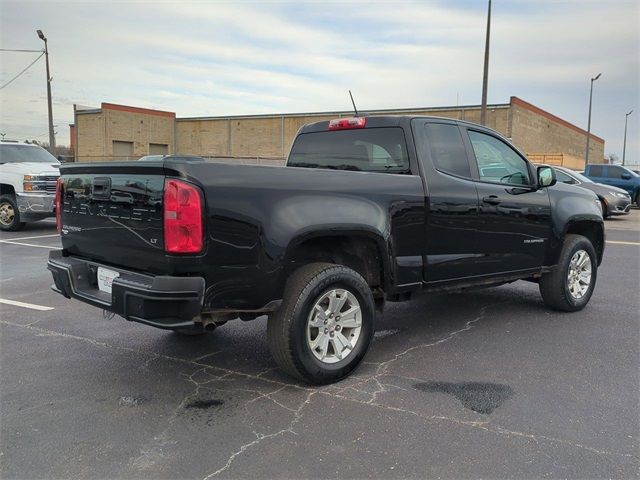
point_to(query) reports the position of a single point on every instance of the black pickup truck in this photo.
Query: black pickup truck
(366, 210)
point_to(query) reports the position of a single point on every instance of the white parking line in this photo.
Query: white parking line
(9, 242)
(623, 243)
(25, 305)
(29, 238)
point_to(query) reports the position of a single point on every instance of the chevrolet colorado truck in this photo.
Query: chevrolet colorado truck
(28, 176)
(366, 210)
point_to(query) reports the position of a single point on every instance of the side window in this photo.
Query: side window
(447, 149)
(595, 171)
(563, 177)
(497, 161)
(615, 172)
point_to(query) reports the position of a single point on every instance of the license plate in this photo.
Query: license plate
(105, 279)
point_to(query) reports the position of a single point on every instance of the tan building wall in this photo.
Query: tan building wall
(270, 136)
(97, 130)
(535, 131)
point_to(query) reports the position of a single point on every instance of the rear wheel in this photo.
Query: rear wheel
(324, 326)
(9, 214)
(570, 285)
(638, 200)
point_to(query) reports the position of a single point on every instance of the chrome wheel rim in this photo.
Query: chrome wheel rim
(6, 213)
(579, 276)
(334, 326)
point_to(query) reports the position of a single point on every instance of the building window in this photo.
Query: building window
(158, 149)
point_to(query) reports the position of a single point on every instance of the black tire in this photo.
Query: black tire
(638, 200)
(287, 328)
(554, 286)
(10, 224)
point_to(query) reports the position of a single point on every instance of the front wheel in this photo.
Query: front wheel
(570, 285)
(9, 214)
(324, 326)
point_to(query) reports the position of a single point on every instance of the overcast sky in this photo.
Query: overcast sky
(225, 58)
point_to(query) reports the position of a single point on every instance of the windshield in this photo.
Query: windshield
(25, 153)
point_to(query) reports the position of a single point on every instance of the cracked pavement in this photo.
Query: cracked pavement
(478, 384)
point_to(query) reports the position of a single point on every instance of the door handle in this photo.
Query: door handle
(491, 200)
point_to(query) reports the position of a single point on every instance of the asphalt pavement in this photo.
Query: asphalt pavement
(481, 384)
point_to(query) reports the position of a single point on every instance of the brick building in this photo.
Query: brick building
(118, 132)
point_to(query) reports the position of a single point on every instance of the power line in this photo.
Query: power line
(27, 68)
(17, 50)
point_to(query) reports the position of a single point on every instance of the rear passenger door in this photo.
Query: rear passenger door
(514, 224)
(452, 201)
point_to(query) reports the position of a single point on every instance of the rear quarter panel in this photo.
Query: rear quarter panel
(255, 214)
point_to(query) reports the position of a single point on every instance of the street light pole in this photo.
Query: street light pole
(624, 145)
(52, 138)
(485, 74)
(586, 161)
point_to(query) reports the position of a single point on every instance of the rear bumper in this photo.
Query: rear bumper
(160, 301)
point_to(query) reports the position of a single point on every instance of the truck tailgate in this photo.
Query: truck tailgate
(112, 213)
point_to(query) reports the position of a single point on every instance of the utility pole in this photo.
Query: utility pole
(624, 145)
(485, 75)
(586, 158)
(52, 137)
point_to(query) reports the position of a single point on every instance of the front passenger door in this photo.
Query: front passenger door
(514, 216)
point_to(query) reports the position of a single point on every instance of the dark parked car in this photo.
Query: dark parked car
(614, 200)
(366, 210)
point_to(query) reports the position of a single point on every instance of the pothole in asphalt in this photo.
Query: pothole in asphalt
(480, 397)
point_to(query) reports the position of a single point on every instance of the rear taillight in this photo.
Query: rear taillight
(182, 217)
(347, 123)
(59, 204)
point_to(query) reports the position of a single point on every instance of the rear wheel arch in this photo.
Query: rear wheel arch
(7, 189)
(363, 252)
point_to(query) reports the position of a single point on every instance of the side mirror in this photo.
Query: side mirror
(546, 177)
(626, 176)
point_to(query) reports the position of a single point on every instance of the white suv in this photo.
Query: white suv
(28, 176)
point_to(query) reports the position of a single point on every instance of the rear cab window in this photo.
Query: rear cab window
(382, 150)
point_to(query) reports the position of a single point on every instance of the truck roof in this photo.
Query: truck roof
(378, 121)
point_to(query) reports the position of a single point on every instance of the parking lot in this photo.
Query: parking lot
(479, 384)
